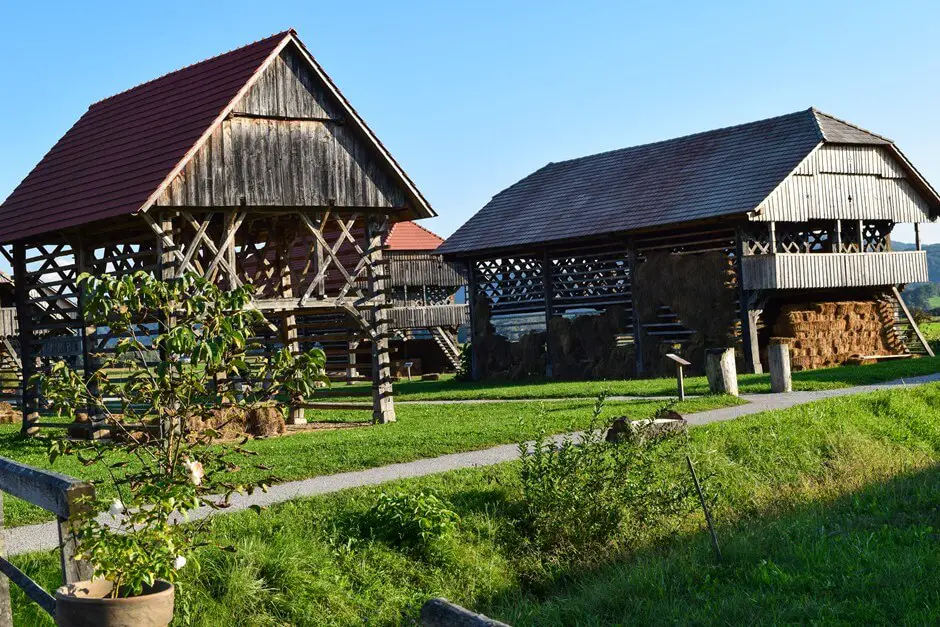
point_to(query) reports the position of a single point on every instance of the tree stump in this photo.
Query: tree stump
(721, 372)
(778, 359)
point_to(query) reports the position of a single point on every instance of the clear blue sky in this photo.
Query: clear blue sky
(471, 96)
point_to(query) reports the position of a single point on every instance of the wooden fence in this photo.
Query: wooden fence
(59, 495)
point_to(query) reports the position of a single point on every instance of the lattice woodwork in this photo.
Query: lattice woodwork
(597, 280)
(756, 239)
(797, 237)
(511, 285)
(875, 237)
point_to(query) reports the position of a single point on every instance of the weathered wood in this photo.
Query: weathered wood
(680, 379)
(778, 361)
(29, 587)
(383, 403)
(428, 316)
(25, 316)
(847, 182)
(52, 491)
(72, 570)
(832, 270)
(6, 609)
(443, 613)
(720, 371)
(910, 319)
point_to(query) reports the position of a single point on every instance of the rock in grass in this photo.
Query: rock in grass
(624, 428)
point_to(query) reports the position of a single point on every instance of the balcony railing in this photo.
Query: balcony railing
(827, 270)
(430, 316)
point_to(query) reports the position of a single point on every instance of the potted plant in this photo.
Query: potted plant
(174, 391)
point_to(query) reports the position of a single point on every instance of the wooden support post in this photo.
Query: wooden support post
(72, 570)
(383, 403)
(6, 609)
(748, 314)
(549, 309)
(635, 313)
(28, 354)
(720, 371)
(475, 357)
(911, 321)
(680, 380)
(917, 245)
(838, 236)
(861, 236)
(89, 361)
(352, 372)
(773, 237)
(289, 338)
(778, 360)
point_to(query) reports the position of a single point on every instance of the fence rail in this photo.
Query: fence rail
(58, 494)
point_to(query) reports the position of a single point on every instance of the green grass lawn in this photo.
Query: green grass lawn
(421, 431)
(827, 513)
(449, 389)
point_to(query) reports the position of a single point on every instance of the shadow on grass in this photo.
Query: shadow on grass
(867, 557)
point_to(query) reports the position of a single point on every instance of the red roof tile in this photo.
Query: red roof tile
(411, 236)
(124, 147)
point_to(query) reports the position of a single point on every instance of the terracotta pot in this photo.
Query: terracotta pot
(86, 604)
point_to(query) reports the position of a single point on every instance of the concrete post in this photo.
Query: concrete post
(778, 358)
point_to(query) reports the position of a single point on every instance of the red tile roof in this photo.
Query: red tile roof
(124, 147)
(411, 236)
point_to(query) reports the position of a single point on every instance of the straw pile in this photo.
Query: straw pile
(830, 334)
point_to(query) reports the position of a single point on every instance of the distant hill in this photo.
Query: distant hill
(933, 258)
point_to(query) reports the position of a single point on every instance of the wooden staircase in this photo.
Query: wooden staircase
(447, 340)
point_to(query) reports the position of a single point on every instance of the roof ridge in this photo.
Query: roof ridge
(682, 137)
(847, 123)
(284, 33)
(425, 229)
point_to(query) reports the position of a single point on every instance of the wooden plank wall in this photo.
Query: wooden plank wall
(285, 145)
(845, 182)
(420, 269)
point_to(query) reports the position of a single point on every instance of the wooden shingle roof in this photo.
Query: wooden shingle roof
(125, 149)
(706, 175)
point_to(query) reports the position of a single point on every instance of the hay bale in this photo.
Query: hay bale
(264, 422)
(8, 415)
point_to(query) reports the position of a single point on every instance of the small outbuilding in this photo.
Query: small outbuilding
(781, 228)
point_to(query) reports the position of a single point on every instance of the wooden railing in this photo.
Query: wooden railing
(827, 270)
(59, 495)
(417, 317)
(8, 325)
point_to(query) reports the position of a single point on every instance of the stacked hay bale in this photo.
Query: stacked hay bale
(831, 334)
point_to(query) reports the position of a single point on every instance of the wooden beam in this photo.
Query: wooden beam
(910, 319)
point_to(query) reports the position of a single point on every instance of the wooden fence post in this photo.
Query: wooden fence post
(720, 371)
(6, 610)
(778, 359)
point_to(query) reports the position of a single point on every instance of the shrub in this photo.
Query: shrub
(465, 369)
(578, 490)
(410, 519)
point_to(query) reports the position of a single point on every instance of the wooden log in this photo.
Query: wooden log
(382, 402)
(720, 371)
(443, 613)
(778, 360)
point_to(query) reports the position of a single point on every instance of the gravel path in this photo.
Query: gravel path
(44, 536)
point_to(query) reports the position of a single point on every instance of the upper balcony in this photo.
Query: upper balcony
(829, 254)
(802, 271)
